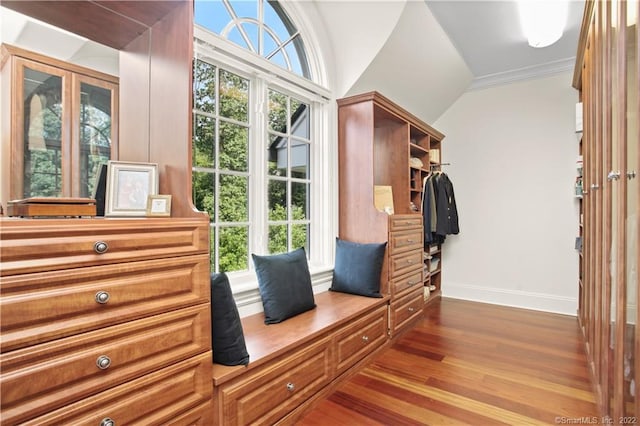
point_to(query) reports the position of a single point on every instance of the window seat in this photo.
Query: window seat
(293, 362)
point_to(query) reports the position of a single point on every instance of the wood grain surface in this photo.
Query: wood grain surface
(470, 363)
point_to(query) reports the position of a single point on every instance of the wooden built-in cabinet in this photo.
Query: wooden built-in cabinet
(607, 78)
(382, 144)
(106, 321)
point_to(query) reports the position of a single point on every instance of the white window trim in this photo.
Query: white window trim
(324, 199)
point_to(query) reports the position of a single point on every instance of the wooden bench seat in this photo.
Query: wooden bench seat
(291, 362)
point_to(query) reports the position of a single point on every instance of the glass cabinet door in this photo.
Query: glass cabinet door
(629, 178)
(96, 133)
(44, 106)
(65, 128)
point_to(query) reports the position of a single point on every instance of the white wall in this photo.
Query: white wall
(513, 152)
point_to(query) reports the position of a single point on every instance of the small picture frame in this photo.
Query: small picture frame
(128, 187)
(159, 205)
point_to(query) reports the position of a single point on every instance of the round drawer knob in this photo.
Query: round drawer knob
(102, 297)
(107, 421)
(103, 362)
(100, 247)
(365, 338)
(411, 309)
(291, 387)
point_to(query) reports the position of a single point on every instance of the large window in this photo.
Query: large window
(257, 137)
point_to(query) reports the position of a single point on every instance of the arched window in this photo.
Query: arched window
(261, 26)
(259, 138)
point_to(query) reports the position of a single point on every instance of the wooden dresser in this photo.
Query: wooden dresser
(405, 272)
(105, 322)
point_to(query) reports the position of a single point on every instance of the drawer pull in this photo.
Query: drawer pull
(291, 387)
(411, 309)
(107, 421)
(103, 362)
(409, 261)
(100, 247)
(102, 297)
(410, 241)
(365, 338)
(410, 283)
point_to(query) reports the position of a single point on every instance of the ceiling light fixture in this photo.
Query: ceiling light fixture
(543, 21)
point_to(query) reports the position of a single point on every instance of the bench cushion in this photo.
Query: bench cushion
(227, 337)
(357, 268)
(285, 285)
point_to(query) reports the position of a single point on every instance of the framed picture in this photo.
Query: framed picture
(159, 205)
(128, 187)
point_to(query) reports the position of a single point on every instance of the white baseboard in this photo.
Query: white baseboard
(514, 298)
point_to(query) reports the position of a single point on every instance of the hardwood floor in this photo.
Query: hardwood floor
(470, 363)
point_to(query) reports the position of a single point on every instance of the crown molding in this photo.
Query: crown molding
(526, 73)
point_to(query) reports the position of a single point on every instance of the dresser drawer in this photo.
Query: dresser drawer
(403, 263)
(406, 282)
(50, 375)
(278, 388)
(405, 309)
(176, 395)
(400, 242)
(399, 222)
(38, 307)
(360, 338)
(28, 246)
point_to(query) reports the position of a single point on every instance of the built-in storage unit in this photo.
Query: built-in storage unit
(65, 125)
(297, 361)
(107, 320)
(384, 149)
(606, 74)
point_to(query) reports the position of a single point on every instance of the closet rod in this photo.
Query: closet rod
(433, 166)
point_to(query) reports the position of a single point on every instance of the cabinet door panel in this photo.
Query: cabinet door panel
(401, 222)
(404, 310)
(406, 282)
(179, 394)
(39, 307)
(404, 263)
(48, 376)
(26, 247)
(400, 242)
(272, 393)
(360, 338)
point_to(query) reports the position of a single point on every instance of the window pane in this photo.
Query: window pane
(233, 198)
(299, 119)
(212, 246)
(204, 87)
(42, 136)
(234, 147)
(211, 14)
(278, 239)
(251, 31)
(277, 111)
(299, 200)
(295, 51)
(203, 141)
(95, 134)
(300, 237)
(272, 17)
(234, 249)
(204, 193)
(234, 96)
(277, 156)
(300, 159)
(277, 199)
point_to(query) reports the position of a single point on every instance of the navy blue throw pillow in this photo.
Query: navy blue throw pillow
(227, 336)
(285, 285)
(357, 269)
